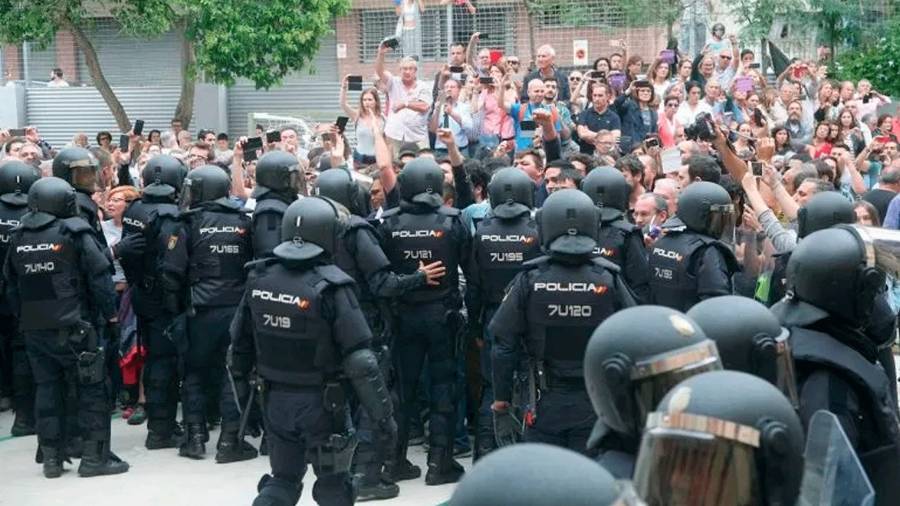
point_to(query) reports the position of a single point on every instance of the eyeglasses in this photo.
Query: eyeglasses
(574, 79)
(724, 57)
(513, 62)
(672, 104)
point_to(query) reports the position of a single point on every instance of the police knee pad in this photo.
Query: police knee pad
(444, 398)
(277, 492)
(91, 367)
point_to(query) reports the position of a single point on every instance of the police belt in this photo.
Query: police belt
(287, 387)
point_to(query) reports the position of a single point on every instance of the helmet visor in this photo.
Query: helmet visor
(721, 222)
(186, 198)
(685, 460)
(84, 178)
(785, 377)
(654, 377)
(882, 247)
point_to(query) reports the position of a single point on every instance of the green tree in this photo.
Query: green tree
(222, 40)
(877, 60)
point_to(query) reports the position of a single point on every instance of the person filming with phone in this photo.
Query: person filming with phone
(409, 100)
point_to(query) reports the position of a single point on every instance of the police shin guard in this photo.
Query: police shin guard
(277, 492)
(97, 460)
(373, 486)
(442, 468)
(232, 449)
(193, 446)
(52, 459)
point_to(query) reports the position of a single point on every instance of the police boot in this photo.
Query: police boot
(23, 425)
(372, 486)
(277, 492)
(51, 458)
(402, 470)
(230, 448)
(97, 460)
(193, 447)
(158, 440)
(442, 468)
(74, 447)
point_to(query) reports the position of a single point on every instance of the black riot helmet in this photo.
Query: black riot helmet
(568, 223)
(53, 196)
(706, 208)
(823, 210)
(338, 185)
(609, 190)
(15, 179)
(163, 176)
(634, 357)
(511, 193)
(78, 167)
(311, 227)
(422, 181)
(543, 474)
(841, 270)
(722, 437)
(749, 339)
(278, 171)
(205, 184)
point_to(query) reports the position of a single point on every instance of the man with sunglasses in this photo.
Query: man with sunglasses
(727, 63)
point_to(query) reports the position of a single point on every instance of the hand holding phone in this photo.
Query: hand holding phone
(756, 168)
(138, 127)
(273, 136)
(252, 144)
(341, 123)
(123, 143)
(354, 83)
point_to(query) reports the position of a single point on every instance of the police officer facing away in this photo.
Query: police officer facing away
(278, 180)
(203, 277)
(831, 299)
(428, 321)
(691, 262)
(299, 322)
(15, 180)
(702, 446)
(632, 360)
(547, 315)
(360, 256)
(143, 242)
(619, 241)
(504, 240)
(58, 282)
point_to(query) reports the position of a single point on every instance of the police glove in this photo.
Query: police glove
(113, 331)
(507, 428)
(131, 245)
(386, 438)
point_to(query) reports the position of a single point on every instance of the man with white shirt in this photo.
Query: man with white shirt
(409, 100)
(453, 115)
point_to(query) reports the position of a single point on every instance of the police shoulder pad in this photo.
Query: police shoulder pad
(606, 264)
(77, 225)
(259, 265)
(624, 226)
(448, 211)
(356, 223)
(270, 206)
(168, 211)
(394, 211)
(334, 275)
(536, 262)
(186, 214)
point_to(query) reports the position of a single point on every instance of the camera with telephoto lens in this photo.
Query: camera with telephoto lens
(702, 129)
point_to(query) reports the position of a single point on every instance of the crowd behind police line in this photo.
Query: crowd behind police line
(579, 269)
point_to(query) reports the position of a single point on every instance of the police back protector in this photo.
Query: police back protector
(501, 248)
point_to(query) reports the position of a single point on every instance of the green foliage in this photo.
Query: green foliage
(35, 21)
(260, 41)
(757, 16)
(878, 61)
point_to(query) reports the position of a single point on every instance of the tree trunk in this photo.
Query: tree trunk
(100, 82)
(185, 108)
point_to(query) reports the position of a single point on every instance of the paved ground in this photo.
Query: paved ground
(160, 478)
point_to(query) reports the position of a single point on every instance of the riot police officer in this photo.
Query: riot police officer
(547, 315)
(831, 299)
(632, 360)
(504, 240)
(534, 474)
(139, 252)
(721, 437)
(203, 277)
(749, 339)
(823, 210)
(619, 241)
(15, 180)
(58, 283)
(278, 179)
(422, 229)
(300, 323)
(360, 256)
(691, 262)
(79, 168)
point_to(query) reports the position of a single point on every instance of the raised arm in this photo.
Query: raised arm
(383, 159)
(382, 74)
(351, 113)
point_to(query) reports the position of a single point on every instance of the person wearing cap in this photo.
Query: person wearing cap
(546, 318)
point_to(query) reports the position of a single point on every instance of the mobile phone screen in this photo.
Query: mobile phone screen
(253, 143)
(273, 136)
(138, 127)
(123, 143)
(341, 123)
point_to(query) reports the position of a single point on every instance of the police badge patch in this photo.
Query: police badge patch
(173, 241)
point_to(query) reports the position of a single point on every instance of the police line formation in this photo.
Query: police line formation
(592, 347)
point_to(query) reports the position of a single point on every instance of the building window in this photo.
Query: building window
(577, 13)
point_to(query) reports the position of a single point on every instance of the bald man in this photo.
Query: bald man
(546, 67)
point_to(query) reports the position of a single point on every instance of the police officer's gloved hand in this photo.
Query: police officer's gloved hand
(506, 427)
(386, 437)
(130, 245)
(113, 331)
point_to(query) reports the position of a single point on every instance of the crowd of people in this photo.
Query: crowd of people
(567, 258)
